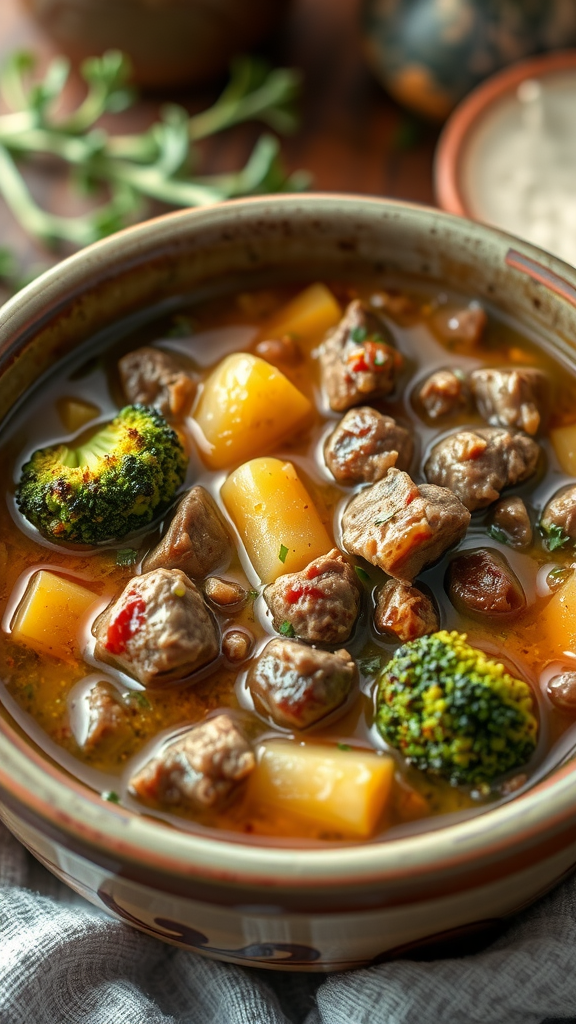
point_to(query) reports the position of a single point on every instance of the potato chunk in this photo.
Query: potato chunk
(50, 615)
(307, 316)
(275, 517)
(344, 790)
(557, 622)
(247, 406)
(564, 443)
(75, 413)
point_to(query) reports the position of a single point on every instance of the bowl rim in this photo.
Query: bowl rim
(466, 118)
(45, 793)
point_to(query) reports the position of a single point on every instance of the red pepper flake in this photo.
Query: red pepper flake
(295, 593)
(125, 625)
(312, 572)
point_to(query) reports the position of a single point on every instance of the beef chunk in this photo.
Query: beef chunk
(152, 377)
(477, 464)
(224, 593)
(482, 583)
(297, 685)
(357, 359)
(511, 398)
(365, 445)
(402, 527)
(404, 611)
(320, 603)
(197, 540)
(281, 352)
(158, 630)
(109, 724)
(511, 517)
(443, 394)
(236, 645)
(200, 770)
(562, 692)
(559, 516)
(465, 326)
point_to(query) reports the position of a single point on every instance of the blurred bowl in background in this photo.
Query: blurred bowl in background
(430, 53)
(170, 42)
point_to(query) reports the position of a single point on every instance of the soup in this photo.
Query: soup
(296, 563)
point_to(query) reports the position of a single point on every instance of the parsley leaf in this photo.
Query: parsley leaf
(386, 519)
(370, 666)
(111, 797)
(497, 534)
(555, 537)
(283, 552)
(138, 698)
(344, 746)
(287, 629)
(361, 574)
(358, 334)
(252, 595)
(126, 556)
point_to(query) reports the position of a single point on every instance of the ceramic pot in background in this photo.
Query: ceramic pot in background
(429, 53)
(170, 42)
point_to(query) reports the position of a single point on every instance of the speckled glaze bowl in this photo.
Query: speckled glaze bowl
(291, 909)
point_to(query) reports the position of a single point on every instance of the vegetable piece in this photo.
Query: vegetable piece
(557, 621)
(453, 712)
(564, 444)
(307, 316)
(75, 413)
(342, 790)
(246, 406)
(50, 615)
(272, 509)
(116, 482)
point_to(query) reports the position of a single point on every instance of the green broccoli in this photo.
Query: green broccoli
(116, 482)
(453, 712)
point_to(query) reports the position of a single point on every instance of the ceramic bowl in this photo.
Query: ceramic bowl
(304, 909)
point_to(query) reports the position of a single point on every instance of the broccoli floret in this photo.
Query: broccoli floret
(116, 482)
(453, 712)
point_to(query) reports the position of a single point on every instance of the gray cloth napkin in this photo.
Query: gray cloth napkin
(62, 962)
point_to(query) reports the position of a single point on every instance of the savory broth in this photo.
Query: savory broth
(49, 695)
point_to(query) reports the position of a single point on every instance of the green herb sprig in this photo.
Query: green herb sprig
(130, 171)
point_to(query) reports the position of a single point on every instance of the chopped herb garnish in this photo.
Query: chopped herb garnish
(358, 334)
(287, 629)
(497, 534)
(111, 797)
(386, 519)
(361, 574)
(139, 698)
(252, 595)
(344, 746)
(555, 537)
(126, 556)
(283, 552)
(557, 576)
(370, 666)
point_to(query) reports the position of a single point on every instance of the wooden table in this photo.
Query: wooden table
(353, 137)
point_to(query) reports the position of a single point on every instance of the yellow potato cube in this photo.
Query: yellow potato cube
(556, 631)
(564, 443)
(307, 317)
(247, 407)
(50, 615)
(275, 517)
(75, 413)
(343, 790)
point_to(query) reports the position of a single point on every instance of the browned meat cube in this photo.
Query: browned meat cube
(482, 583)
(444, 393)
(109, 724)
(365, 445)
(559, 516)
(321, 603)
(562, 692)
(297, 685)
(404, 611)
(461, 326)
(158, 630)
(511, 517)
(197, 540)
(200, 770)
(236, 645)
(281, 352)
(477, 464)
(511, 398)
(224, 593)
(357, 359)
(152, 377)
(402, 527)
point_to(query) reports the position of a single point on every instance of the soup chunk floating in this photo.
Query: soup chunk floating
(50, 615)
(247, 405)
